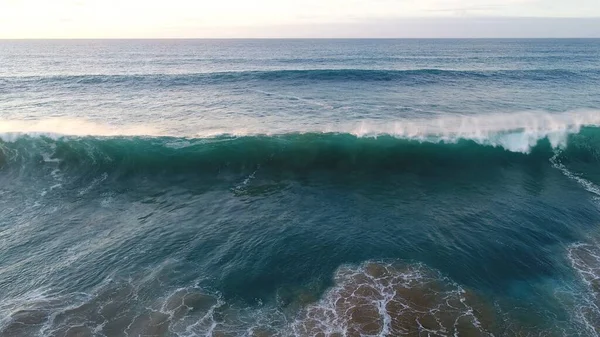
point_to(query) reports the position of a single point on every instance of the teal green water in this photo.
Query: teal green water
(300, 188)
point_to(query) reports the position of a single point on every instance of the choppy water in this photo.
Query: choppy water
(300, 188)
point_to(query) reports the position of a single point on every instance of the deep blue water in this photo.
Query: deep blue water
(300, 188)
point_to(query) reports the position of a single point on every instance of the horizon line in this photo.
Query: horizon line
(298, 38)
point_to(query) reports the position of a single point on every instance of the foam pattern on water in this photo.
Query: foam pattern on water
(585, 259)
(378, 299)
(373, 299)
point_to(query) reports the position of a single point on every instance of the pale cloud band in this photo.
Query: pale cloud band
(308, 18)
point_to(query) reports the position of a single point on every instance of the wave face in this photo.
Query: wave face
(138, 197)
(296, 152)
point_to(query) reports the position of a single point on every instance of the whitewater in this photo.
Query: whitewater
(516, 132)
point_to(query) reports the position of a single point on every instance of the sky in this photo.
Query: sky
(297, 18)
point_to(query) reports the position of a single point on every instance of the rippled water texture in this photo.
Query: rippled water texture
(300, 188)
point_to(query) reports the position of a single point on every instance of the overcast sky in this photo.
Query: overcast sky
(298, 18)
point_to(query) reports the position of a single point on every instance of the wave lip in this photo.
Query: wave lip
(516, 132)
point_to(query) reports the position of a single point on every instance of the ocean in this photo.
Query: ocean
(300, 188)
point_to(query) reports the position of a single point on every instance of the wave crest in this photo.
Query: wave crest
(423, 144)
(516, 132)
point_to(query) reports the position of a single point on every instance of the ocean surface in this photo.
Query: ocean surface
(300, 188)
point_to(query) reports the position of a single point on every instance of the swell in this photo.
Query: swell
(417, 76)
(287, 152)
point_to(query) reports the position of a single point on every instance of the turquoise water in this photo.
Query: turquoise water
(300, 188)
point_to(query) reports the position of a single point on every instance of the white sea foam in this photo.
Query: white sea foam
(585, 259)
(93, 184)
(372, 299)
(586, 184)
(378, 299)
(518, 131)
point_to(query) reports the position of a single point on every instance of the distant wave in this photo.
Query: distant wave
(415, 77)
